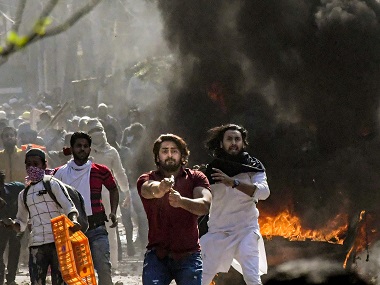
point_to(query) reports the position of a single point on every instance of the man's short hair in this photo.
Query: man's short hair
(80, 135)
(180, 142)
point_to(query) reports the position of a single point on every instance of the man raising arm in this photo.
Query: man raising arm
(173, 196)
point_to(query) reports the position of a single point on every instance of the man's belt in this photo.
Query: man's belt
(94, 225)
(96, 220)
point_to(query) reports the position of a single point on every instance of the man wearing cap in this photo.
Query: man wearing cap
(40, 208)
(89, 178)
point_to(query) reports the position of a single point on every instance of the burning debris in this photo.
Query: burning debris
(290, 227)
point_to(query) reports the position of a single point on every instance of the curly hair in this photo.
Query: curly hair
(180, 143)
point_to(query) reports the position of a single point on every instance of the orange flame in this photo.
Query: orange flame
(289, 226)
(366, 234)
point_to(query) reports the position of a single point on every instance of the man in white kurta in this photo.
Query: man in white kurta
(238, 181)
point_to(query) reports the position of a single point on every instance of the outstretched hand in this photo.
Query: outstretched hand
(165, 186)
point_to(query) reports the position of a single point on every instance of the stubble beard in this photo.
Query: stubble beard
(79, 159)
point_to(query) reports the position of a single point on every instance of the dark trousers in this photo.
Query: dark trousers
(9, 237)
(40, 257)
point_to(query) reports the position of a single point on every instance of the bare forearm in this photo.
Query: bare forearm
(149, 190)
(156, 189)
(197, 207)
(114, 200)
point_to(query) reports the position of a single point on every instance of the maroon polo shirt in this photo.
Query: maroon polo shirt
(173, 231)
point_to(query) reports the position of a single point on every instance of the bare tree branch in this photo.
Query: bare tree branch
(73, 19)
(48, 8)
(15, 27)
(18, 18)
(35, 35)
(44, 14)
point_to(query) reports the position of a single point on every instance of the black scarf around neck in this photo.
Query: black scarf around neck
(234, 164)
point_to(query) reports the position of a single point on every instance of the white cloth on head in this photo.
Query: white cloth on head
(78, 177)
(109, 156)
(99, 141)
(93, 123)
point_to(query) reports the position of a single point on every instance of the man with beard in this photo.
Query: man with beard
(173, 197)
(238, 183)
(88, 178)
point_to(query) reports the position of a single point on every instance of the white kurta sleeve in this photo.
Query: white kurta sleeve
(119, 172)
(262, 192)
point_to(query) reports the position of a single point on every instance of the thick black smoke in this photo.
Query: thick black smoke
(302, 76)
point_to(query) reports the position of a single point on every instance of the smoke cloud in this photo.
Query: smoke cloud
(301, 76)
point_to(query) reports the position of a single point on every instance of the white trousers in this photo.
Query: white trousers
(219, 249)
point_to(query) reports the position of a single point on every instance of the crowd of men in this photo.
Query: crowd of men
(107, 162)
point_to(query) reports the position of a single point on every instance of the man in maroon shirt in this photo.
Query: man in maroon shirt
(173, 197)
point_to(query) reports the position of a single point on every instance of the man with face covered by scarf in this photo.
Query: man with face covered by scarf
(102, 152)
(238, 181)
(41, 209)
